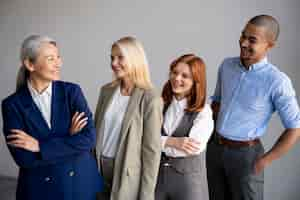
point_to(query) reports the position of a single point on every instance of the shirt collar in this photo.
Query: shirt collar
(179, 104)
(257, 65)
(34, 93)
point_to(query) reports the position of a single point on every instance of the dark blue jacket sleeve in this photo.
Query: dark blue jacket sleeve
(84, 140)
(13, 120)
(54, 149)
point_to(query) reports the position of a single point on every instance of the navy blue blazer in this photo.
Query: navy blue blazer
(64, 168)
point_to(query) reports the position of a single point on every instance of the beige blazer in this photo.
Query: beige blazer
(138, 157)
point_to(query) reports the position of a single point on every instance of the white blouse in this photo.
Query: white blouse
(112, 123)
(201, 130)
(43, 101)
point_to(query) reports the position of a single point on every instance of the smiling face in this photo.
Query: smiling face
(47, 64)
(181, 80)
(254, 44)
(118, 63)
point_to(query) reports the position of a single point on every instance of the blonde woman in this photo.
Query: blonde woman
(128, 120)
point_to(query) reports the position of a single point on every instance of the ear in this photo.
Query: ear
(271, 44)
(29, 65)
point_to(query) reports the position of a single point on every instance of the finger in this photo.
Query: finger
(83, 125)
(82, 121)
(18, 131)
(194, 141)
(190, 144)
(21, 134)
(15, 136)
(191, 148)
(23, 146)
(74, 116)
(193, 145)
(187, 151)
(16, 142)
(78, 117)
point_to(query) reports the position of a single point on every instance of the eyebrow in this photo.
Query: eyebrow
(249, 37)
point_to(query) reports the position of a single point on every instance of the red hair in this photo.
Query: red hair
(196, 98)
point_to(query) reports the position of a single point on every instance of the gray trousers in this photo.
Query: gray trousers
(230, 172)
(175, 185)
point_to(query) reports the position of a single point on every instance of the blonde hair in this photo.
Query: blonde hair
(137, 63)
(29, 50)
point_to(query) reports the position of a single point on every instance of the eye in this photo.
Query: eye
(174, 73)
(121, 58)
(252, 41)
(50, 58)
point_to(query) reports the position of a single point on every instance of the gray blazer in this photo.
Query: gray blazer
(138, 157)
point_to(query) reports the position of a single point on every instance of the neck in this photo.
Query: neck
(39, 85)
(248, 63)
(126, 86)
(179, 97)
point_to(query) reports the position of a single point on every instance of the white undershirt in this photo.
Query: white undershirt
(112, 124)
(201, 130)
(43, 101)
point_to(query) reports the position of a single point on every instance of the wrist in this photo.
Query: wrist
(170, 142)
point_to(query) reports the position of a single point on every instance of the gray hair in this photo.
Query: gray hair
(29, 50)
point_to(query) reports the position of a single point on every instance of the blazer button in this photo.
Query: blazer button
(47, 179)
(71, 173)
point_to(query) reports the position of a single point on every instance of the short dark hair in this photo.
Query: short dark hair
(269, 22)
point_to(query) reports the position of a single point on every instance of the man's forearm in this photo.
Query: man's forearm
(285, 142)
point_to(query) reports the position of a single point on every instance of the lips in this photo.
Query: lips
(176, 85)
(115, 68)
(245, 52)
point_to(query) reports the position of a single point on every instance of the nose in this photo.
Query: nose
(177, 77)
(114, 62)
(58, 62)
(244, 42)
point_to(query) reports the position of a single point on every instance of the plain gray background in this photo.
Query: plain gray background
(86, 29)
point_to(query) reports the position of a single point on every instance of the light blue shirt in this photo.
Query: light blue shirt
(248, 98)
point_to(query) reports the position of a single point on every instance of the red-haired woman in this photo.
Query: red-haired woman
(186, 129)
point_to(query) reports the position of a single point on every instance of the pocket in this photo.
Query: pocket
(259, 151)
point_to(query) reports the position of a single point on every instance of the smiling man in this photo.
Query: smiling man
(249, 90)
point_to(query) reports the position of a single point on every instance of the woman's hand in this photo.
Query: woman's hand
(20, 139)
(186, 144)
(78, 122)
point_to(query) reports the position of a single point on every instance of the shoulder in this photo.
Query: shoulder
(14, 98)
(66, 85)
(71, 91)
(11, 99)
(206, 112)
(108, 86)
(151, 95)
(277, 77)
(231, 61)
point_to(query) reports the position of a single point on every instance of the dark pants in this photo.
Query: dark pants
(107, 168)
(230, 172)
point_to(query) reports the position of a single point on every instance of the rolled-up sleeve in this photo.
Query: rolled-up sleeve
(285, 103)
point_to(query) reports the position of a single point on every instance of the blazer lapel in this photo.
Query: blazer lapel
(107, 99)
(58, 108)
(33, 113)
(133, 105)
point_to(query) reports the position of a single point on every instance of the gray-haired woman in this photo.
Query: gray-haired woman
(49, 129)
